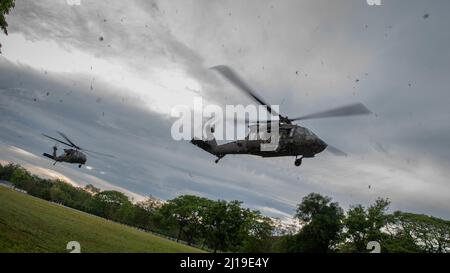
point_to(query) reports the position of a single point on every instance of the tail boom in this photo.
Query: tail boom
(49, 156)
(209, 145)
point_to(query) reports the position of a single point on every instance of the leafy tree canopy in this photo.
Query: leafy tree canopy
(364, 225)
(322, 223)
(186, 213)
(418, 233)
(5, 7)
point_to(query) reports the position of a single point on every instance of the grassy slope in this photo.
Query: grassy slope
(29, 224)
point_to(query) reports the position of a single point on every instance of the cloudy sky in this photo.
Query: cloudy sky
(108, 73)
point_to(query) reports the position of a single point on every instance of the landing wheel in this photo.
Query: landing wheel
(218, 158)
(79, 166)
(298, 162)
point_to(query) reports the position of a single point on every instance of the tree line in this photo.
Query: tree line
(226, 226)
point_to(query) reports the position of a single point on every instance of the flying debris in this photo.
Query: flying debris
(74, 155)
(294, 140)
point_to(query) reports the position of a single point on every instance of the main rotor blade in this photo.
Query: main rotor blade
(247, 120)
(60, 141)
(97, 153)
(66, 138)
(348, 110)
(335, 150)
(233, 77)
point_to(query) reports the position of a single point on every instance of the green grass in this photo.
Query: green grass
(29, 224)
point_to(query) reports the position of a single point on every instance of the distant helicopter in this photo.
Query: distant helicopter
(74, 156)
(294, 140)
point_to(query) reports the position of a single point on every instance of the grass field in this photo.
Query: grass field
(29, 224)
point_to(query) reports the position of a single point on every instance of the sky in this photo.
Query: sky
(108, 73)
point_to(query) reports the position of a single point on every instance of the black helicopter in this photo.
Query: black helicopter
(74, 156)
(293, 140)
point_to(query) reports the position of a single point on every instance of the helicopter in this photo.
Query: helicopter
(74, 156)
(294, 140)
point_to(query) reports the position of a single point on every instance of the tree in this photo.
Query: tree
(235, 225)
(146, 214)
(112, 205)
(58, 195)
(223, 223)
(364, 225)
(5, 7)
(186, 214)
(322, 223)
(256, 233)
(411, 232)
(68, 195)
(228, 227)
(215, 225)
(6, 171)
(21, 178)
(142, 218)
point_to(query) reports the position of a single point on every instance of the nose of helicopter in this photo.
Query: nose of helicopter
(321, 145)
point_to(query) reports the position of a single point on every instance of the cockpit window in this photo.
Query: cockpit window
(253, 135)
(299, 132)
(304, 133)
(293, 131)
(263, 134)
(308, 132)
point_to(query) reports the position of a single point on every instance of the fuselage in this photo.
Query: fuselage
(294, 140)
(72, 156)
